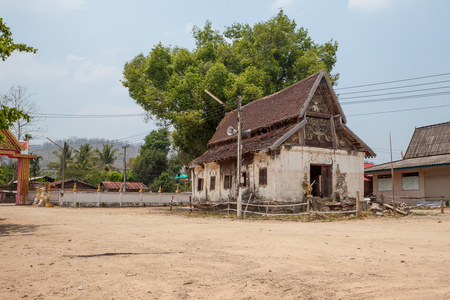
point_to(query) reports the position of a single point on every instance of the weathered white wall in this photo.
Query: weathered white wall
(286, 170)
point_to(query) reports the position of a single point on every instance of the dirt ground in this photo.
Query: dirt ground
(142, 253)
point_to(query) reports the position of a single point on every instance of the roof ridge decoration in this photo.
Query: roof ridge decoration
(277, 107)
(10, 142)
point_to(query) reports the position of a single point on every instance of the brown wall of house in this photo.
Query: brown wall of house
(433, 182)
(437, 181)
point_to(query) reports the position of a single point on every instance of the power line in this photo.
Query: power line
(399, 110)
(395, 93)
(393, 81)
(64, 116)
(394, 88)
(396, 98)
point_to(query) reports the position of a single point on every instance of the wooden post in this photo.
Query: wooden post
(392, 177)
(249, 198)
(190, 203)
(171, 203)
(308, 207)
(357, 203)
(442, 204)
(239, 160)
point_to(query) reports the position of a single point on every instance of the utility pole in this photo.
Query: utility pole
(239, 159)
(230, 131)
(64, 150)
(125, 167)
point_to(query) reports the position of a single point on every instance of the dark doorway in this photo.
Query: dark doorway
(322, 178)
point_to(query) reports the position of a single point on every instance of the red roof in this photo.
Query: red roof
(110, 185)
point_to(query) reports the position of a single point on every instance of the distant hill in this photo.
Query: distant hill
(46, 149)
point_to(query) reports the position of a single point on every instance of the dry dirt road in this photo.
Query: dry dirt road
(136, 253)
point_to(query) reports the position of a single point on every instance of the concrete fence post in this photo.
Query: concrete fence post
(99, 199)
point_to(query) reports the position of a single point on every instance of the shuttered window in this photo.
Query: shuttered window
(212, 184)
(227, 182)
(263, 176)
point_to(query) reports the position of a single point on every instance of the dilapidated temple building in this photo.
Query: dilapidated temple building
(298, 136)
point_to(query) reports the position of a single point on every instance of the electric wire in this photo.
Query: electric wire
(394, 88)
(393, 81)
(399, 110)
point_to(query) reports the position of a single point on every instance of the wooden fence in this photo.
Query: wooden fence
(307, 208)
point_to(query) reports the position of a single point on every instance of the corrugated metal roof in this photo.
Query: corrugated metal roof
(111, 185)
(410, 163)
(429, 141)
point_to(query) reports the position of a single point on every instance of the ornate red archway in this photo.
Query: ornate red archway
(11, 147)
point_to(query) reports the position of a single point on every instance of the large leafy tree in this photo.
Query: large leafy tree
(10, 115)
(152, 158)
(249, 61)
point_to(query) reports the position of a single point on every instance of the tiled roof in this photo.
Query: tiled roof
(263, 112)
(429, 141)
(255, 143)
(278, 114)
(110, 185)
(411, 163)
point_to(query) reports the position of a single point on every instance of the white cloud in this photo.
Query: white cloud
(369, 5)
(281, 4)
(50, 7)
(72, 74)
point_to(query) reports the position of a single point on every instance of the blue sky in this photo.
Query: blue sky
(83, 46)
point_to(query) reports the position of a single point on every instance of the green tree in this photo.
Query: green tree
(84, 156)
(58, 165)
(152, 158)
(7, 45)
(10, 115)
(8, 173)
(114, 176)
(166, 182)
(249, 61)
(35, 167)
(106, 157)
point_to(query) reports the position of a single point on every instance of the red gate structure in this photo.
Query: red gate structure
(11, 147)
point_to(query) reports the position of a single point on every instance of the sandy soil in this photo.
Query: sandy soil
(137, 253)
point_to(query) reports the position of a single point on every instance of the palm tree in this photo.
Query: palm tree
(35, 168)
(85, 156)
(106, 157)
(59, 155)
